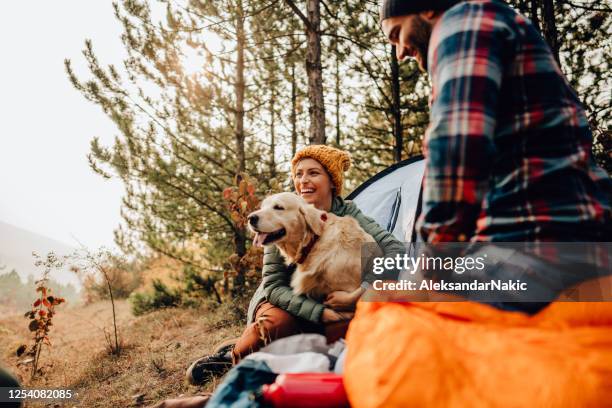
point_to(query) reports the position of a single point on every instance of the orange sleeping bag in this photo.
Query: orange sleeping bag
(468, 354)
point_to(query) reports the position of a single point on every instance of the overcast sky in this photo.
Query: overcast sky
(46, 185)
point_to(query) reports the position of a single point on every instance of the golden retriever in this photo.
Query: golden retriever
(325, 248)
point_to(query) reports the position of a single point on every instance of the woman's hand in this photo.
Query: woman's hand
(330, 316)
(341, 300)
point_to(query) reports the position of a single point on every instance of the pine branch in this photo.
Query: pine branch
(585, 7)
(301, 15)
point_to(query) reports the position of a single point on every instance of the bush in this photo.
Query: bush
(124, 279)
(160, 297)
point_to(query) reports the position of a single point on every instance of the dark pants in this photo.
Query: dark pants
(273, 323)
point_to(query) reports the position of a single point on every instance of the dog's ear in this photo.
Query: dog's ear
(315, 219)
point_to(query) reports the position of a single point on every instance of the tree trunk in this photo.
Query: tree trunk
(240, 87)
(396, 108)
(337, 94)
(240, 245)
(117, 350)
(535, 6)
(272, 128)
(293, 111)
(314, 71)
(240, 233)
(549, 28)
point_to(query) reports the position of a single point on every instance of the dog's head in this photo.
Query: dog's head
(285, 217)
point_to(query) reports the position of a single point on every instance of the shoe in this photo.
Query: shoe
(207, 367)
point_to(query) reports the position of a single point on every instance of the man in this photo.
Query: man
(508, 148)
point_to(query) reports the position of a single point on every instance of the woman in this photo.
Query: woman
(275, 311)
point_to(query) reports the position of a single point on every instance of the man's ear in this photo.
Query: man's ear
(314, 218)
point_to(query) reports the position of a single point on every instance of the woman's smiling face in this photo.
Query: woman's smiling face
(312, 183)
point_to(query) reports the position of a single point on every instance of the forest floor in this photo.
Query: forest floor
(157, 349)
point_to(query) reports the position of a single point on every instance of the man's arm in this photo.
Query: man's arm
(466, 58)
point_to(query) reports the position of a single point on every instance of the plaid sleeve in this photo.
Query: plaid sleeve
(465, 67)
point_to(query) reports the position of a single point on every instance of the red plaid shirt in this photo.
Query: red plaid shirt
(508, 149)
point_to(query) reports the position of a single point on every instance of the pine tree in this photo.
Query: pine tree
(183, 137)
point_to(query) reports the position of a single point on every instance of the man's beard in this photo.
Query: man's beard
(419, 39)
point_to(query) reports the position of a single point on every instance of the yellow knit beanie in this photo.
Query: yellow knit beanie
(335, 161)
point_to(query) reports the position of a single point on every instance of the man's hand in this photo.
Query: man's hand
(330, 316)
(341, 300)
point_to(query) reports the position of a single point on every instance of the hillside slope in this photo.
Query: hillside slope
(17, 245)
(157, 349)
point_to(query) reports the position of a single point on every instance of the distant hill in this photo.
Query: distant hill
(16, 247)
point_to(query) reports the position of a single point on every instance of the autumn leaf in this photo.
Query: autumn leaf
(251, 189)
(252, 200)
(37, 303)
(42, 313)
(242, 188)
(235, 217)
(227, 193)
(33, 326)
(46, 303)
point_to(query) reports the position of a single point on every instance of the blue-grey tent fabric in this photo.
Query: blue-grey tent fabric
(391, 197)
(241, 384)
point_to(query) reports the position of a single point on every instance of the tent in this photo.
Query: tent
(392, 197)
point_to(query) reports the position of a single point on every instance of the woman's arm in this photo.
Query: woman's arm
(276, 278)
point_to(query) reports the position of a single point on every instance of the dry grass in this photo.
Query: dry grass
(158, 347)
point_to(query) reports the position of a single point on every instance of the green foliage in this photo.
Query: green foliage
(197, 286)
(371, 62)
(160, 297)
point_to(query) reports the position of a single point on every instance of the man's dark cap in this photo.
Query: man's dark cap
(396, 8)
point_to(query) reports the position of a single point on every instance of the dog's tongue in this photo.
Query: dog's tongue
(259, 239)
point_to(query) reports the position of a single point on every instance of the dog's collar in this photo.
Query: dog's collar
(306, 250)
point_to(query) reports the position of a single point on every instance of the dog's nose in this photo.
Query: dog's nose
(253, 219)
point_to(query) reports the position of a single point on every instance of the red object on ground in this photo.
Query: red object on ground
(306, 390)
